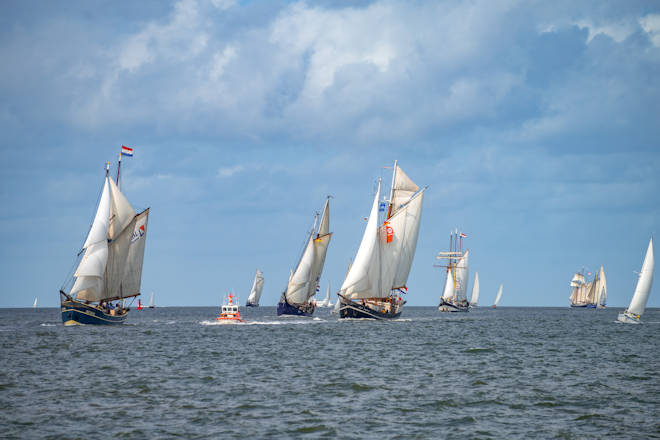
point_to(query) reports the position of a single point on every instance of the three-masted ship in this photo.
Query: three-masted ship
(592, 294)
(454, 295)
(376, 281)
(255, 292)
(303, 282)
(110, 270)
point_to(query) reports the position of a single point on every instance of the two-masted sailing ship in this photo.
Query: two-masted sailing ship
(303, 282)
(376, 280)
(635, 310)
(592, 294)
(454, 294)
(255, 292)
(110, 270)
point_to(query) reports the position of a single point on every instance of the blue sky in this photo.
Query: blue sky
(535, 125)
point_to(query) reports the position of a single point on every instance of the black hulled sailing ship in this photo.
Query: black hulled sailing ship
(303, 283)
(376, 281)
(110, 270)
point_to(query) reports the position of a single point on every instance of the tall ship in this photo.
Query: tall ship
(303, 281)
(498, 297)
(110, 270)
(474, 298)
(592, 294)
(454, 294)
(634, 312)
(376, 280)
(255, 292)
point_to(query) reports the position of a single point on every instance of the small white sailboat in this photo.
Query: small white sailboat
(34, 306)
(326, 301)
(255, 292)
(602, 290)
(637, 305)
(498, 297)
(474, 298)
(152, 303)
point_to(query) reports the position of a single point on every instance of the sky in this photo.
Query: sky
(534, 124)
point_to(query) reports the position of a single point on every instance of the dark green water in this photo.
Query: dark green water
(170, 373)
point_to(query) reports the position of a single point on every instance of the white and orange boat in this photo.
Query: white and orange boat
(230, 312)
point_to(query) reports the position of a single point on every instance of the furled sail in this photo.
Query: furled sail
(498, 297)
(257, 285)
(474, 298)
(643, 288)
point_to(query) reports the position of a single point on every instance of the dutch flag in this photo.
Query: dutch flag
(126, 151)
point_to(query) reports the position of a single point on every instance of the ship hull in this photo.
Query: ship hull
(284, 308)
(628, 318)
(77, 313)
(355, 310)
(579, 306)
(251, 305)
(449, 307)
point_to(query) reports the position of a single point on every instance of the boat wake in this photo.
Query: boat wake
(47, 324)
(312, 321)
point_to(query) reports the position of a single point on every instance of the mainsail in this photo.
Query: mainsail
(462, 277)
(644, 282)
(304, 279)
(474, 298)
(498, 297)
(255, 292)
(111, 267)
(602, 289)
(448, 292)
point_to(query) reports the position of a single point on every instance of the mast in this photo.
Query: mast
(389, 208)
(118, 168)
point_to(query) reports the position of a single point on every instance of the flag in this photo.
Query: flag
(126, 151)
(463, 235)
(381, 206)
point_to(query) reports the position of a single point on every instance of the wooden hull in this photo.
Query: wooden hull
(78, 313)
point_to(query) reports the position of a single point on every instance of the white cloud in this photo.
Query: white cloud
(651, 25)
(616, 31)
(230, 171)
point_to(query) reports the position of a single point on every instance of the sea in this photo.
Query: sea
(172, 372)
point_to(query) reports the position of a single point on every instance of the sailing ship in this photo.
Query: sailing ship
(230, 313)
(297, 299)
(474, 298)
(376, 280)
(34, 306)
(498, 297)
(590, 294)
(110, 270)
(325, 302)
(454, 295)
(255, 292)
(635, 310)
(152, 303)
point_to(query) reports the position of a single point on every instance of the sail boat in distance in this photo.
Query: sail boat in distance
(498, 297)
(152, 302)
(637, 305)
(377, 278)
(592, 294)
(111, 265)
(255, 292)
(326, 301)
(474, 298)
(454, 295)
(304, 280)
(34, 306)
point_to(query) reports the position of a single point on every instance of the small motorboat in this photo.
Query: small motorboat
(230, 312)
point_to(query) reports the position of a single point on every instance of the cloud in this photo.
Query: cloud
(651, 25)
(230, 171)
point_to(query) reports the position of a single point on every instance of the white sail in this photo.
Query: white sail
(602, 291)
(327, 296)
(34, 306)
(412, 214)
(121, 212)
(449, 291)
(363, 278)
(257, 286)
(402, 190)
(643, 288)
(132, 277)
(498, 297)
(461, 272)
(152, 302)
(304, 281)
(89, 274)
(474, 298)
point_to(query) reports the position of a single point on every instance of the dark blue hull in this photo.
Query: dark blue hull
(445, 306)
(284, 308)
(251, 305)
(76, 313)
(579, 306)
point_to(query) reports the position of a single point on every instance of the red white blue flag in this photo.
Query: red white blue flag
(463, 235)
(126, 151)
